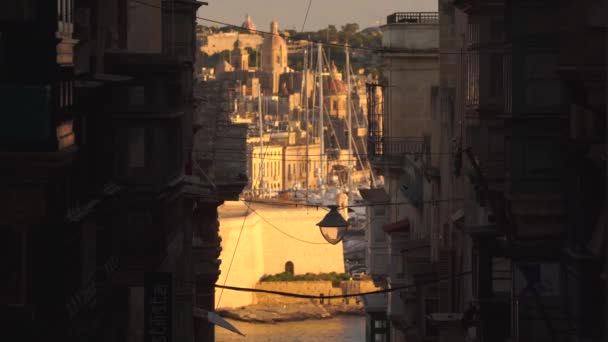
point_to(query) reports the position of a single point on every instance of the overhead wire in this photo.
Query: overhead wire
(306, 16)
(311, 205)
(367, 293)
(280, 230)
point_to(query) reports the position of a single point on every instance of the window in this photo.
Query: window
(136, 96)
(14, 266)
(289, 267)
(137, 147)
(496, 74)
(473, 79)
(497, 30)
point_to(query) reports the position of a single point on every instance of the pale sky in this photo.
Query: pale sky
(290, 13)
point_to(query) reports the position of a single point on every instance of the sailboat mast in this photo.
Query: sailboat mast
(261, 123)
(350, 125)
(305, 96)
(321, 128)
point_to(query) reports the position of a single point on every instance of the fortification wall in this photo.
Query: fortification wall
(225, 41)
(263, 249)
(311, 288)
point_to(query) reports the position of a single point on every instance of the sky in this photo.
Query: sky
(290, 13)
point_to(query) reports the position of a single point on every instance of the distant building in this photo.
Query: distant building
(218, 42)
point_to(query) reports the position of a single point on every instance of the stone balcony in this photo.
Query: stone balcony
(392, 150)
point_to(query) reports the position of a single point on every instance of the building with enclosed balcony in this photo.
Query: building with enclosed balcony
(399, 132)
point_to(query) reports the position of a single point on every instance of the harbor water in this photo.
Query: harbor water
(340, 328)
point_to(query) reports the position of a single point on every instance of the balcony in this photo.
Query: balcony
(411, 32)
(413, 18)
(391, 151)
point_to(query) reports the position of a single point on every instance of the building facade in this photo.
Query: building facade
(507, 198)
(100, 209)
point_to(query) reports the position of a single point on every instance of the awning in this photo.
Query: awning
(216, 319)
(402, 226)
(374, 195)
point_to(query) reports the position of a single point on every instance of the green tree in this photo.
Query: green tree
(349, 30)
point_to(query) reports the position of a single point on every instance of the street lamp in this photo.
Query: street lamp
(333, 226)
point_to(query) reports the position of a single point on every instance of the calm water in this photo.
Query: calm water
(341, 328)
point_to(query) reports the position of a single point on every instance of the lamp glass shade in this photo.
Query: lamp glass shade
(333, 226)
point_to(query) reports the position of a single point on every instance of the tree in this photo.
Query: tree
(349, 30)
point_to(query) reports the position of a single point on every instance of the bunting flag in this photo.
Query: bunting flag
(216, 319)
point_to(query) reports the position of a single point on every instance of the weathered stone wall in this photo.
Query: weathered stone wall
(311, 288)
(300, 287)
(225, 41)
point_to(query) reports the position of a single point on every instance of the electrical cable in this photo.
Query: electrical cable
(310, 205)
(297, 295)
(281, 231)
(327, 43)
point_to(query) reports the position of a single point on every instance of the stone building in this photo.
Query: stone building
(399, 139)
(501, 241)
(218, 42)
(266, 168)
(99, 204)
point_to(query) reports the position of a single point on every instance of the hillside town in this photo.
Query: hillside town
(170, 173)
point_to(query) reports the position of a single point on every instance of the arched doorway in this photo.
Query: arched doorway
(289, 267)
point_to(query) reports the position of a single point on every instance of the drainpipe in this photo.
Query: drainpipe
(606, 210)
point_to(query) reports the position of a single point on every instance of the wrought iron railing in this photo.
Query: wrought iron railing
(389, 147)
(413, 18)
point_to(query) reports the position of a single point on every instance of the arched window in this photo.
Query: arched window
(289, 267)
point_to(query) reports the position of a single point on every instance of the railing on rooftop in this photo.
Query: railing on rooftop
(413, 18)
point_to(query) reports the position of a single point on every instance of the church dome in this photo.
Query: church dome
(248, 24)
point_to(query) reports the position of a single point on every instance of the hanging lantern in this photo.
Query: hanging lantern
(333, 226)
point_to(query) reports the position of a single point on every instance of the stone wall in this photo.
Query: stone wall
(300, 287)
(225, 41)
(311, 288)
